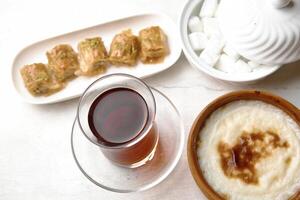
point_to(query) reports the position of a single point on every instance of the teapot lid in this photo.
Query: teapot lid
(265, 31)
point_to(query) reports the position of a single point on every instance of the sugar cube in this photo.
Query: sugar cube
(209, 58)
(265, 67)
(253, 65)
(217, 12)
(215, 45)
(242, 67)
(195, 25)
(226, 64)
(231, 52)
(198, 40)
(210, 26)
(208, 8)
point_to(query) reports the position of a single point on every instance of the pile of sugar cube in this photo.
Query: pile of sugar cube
(207, 41)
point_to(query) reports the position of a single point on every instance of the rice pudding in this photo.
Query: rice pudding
(250, 150)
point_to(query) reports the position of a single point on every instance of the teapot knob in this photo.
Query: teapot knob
(280, 3)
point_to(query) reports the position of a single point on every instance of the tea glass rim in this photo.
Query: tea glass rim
(144, 132)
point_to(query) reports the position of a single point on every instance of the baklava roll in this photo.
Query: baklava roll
(124, 49)
(38, 81)
(92, 57)
(63, 62)
(153, 43)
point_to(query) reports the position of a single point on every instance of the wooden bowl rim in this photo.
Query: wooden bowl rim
(199, 122)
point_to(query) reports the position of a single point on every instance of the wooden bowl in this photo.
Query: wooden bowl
(199, 123)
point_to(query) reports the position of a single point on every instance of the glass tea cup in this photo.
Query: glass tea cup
(95, 107)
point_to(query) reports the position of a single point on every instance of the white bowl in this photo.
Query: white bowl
(192, 8)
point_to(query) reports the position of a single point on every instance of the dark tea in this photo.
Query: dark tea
(118, 116)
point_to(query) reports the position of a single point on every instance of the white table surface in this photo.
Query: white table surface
(35, 155)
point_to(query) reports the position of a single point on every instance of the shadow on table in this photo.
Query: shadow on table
(285, 76)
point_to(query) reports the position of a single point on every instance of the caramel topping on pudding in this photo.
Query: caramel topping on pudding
(239, 161)
(295, 196)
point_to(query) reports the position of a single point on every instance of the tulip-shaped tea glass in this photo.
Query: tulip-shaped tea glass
(117, 113)
(127, 137)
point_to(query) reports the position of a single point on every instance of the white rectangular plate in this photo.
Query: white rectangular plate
(36, 53)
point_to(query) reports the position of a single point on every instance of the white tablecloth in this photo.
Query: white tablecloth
(35, 155)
